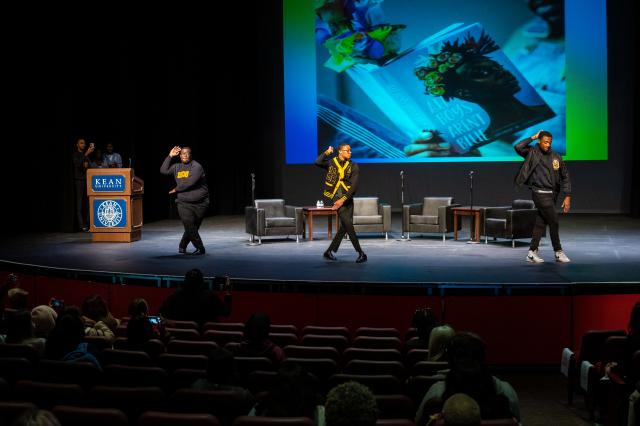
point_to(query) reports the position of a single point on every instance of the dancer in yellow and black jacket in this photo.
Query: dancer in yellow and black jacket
(340, 185)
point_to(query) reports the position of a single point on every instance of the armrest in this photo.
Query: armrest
(496, 212)
(385, 210)
(448, 217)
(295, 212)
(521, 221)
(254, 221)
(407, 211)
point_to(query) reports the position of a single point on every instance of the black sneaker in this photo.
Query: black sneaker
(199, 251)
(329, 256)
(361, 258)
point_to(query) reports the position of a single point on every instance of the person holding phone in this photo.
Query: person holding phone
(192, 195)
(80, 165)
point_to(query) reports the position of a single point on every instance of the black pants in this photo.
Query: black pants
(547, 215)
(191, 215)
(81, 202)
(345, 214)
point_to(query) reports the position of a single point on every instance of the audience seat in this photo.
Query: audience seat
(11, 410)
(122, 357)
(262, 381)
(295, 351)
(171, 362)
(191, 347)
(17, 350)
(377, 332)
(184, 377)
(158, 418)
(188, 325)
(184, 333)
(223, 326)
(13, 369)
(394, 422)
(284, 328)
(336, 341)
(47, 395)
(80, 373)
(82, 416)
(133, 401)
(133, 376)
(224, 404)
(428, 368)
(377, 342)
(98, 343)
(378, 384)
(326, 330)
(361, 366)
(283, 339)
(322, 368)
(414, 356)
(272, 421)
(222, 337)
(395, 407)
(247, 364)
(371, 354)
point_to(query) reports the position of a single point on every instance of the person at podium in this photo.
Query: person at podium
(110, 158)
(80, 166)
(192, 195)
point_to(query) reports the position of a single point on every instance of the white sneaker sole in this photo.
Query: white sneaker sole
(532, 260)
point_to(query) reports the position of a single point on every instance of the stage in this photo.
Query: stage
(604, 249)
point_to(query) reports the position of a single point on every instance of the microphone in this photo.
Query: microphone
(253, 175)
(401, 172)
(471, 173)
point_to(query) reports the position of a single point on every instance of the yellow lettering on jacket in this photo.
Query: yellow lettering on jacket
(183, 174)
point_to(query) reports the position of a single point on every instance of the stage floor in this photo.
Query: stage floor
(603, 249)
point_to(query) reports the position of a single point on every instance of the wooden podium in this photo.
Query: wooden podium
(115, 205)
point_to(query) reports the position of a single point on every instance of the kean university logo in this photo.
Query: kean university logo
(109, 213)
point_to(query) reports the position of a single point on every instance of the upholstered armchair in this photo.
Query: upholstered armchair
(371, 215)
(511, 222)
(272, 217)
(432, 215)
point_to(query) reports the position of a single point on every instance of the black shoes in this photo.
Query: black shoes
(361, 258)
(182, 250)
(199, 251)
(329, 256)
(84, 229)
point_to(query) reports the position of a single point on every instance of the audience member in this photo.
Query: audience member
(351, 404)
(256, 340)
(18, 299)
(66, 341)
(138, 306)
(36, 417)
(20, 330)
(194, 302)
(461, 410)
(424, 320)
(43, 318)
(438, 340)
(469, 375)
(295, 395)
(98, 319)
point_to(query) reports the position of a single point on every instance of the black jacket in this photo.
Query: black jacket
(532, 156)
(350, 179)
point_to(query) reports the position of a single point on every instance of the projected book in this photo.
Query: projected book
(450, 94)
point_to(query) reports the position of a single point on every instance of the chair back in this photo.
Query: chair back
(80, 416)
(430, 205)
(365, 206)
(522, 204)
(272, 207)
(158, 418)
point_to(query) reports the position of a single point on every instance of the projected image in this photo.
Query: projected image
(422, 81)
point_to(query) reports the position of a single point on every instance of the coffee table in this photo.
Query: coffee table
(310, 211)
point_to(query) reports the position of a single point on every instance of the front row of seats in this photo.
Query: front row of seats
(272, 217)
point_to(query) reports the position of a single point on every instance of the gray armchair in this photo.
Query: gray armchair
(370, 215)
(272, 217)
(512, 222)
(432, 215)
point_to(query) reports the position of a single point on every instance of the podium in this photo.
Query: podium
(115, 205)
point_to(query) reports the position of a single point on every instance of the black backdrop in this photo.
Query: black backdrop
(214, 82)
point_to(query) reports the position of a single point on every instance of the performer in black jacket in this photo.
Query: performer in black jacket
(192, 195)
(80, 165)
(546, 174)
(341, 184)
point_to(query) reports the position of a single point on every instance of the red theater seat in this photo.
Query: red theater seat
(395, 407)
(48, 395)
(377, 332)
(272, 421)
(191, 347)
(331, 331)
(81, 416)
(295, 351)
(157, 418)
(371, 354)
(367, 367)
(336, 341)
(378, 384)
(377, 342)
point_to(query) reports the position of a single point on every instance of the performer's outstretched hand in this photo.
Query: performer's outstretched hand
(337, 204)
(174, 151)
(566, 204)
(173, 191)
(329, 150)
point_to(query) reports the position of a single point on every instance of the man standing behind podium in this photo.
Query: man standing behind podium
(341, 184)
(111, 159)
(192, 195)
(80, 166)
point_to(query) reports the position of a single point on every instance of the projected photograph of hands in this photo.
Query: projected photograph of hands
(406, 81)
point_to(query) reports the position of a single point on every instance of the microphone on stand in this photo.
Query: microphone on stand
(471, 189)
(403, 237)
(253, 188)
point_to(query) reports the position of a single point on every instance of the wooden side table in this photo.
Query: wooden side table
(310, 211)
(474, 212)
